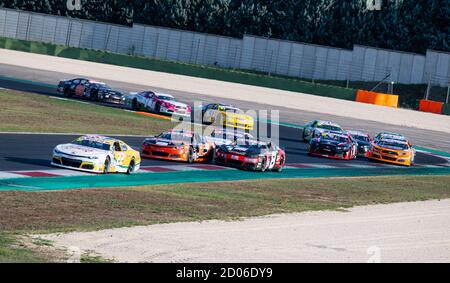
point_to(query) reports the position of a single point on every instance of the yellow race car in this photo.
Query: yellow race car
(226, 115)
(392, 148)
(97, 154)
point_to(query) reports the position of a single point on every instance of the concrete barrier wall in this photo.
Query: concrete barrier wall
(261, 54)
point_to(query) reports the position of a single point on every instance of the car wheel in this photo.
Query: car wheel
(212, 155)
(190, 158)
(67, 92)
(305, 138)
(106, 166)
(158, 107)
(264, 164)
(130, 169)
(279, 169)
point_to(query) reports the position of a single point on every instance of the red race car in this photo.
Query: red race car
(335, 145)
(252, 155)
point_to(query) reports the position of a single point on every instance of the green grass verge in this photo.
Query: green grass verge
(250, 78)
(11, 251)
(59, 211)
(27, 112)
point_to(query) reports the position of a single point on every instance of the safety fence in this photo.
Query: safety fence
(272, 56)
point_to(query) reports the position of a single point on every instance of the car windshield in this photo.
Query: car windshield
(165, 97)
(393, 144)
(361, 138)
(231, 109)
(179, 137)
(335, 138)
(93, 144)
(329, 127)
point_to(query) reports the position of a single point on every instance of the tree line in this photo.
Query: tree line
(407, 25)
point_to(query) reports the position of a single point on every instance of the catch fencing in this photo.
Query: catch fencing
(272, 56)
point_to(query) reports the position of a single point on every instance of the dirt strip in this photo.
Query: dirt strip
(402, 232)
(276, 98)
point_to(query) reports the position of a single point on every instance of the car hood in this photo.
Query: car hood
(81, 151)
(164, 142)
(238, 116)
(335, 143)
(218, 141)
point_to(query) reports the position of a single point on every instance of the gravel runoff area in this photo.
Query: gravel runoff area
(213, 88)
(401, 232)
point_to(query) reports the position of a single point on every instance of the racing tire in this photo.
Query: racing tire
(264, 165)
(190, 157)
(134, 105)
(106, 166)
(212, 156)
(130, 169)
(67, 92)
(279, 169)
(303, 135)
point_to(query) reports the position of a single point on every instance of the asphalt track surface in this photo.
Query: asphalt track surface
(33, 151)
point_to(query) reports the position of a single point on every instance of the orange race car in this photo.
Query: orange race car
(392, 149)
(179, 146)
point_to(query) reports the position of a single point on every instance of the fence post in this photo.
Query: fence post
(27, 35)
(448, 93)
(270, 62)
(427, 93)
(349, 73)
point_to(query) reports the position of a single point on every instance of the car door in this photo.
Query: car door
(119, 155)
(79, 89)
(272, 154)
(151, 101)
(209, 110)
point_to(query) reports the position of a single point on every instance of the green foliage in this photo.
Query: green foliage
(401, 25)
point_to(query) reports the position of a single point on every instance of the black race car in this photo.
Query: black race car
(104, 93)
(333, 144)
(251, 155)
(71, 87)
(76, 87)
(363, 140)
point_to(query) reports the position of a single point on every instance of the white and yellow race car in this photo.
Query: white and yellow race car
(97, 154)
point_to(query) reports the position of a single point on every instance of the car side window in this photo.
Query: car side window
(123, 146)
(76, 81)
(314, 124)
(117, 147)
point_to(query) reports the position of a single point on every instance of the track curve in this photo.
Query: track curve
(33, 151)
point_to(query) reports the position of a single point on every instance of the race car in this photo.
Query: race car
(252, 155)
(160, 103)
(397, 150)
(363, 140)
(97, 154)
(102, 92)
(179, 145)
(390, 136)
(220, 137)
(226, 116)
(333, 144)
(314, 128)
(75, 87)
